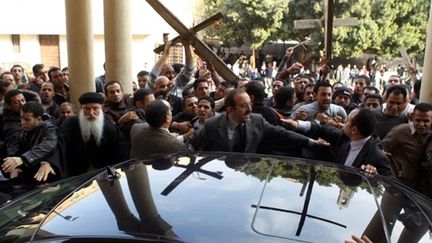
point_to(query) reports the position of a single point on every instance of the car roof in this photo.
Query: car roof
(216, 197)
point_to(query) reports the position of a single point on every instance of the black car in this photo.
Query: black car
(217, 197)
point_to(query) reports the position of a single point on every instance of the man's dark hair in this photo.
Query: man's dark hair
(364, 77)
(198, 81)
(7, 72)
(3, 84)
(143, 73)
(282, 95)
(111, 83)
(229, 99)
(372, 88)
(257, 90)
(186, 98)
(36, 67)
(310, 86)
(33, 107)
(417, 86)
(322, 84)
(424, 107)
(227, 84)
(65, 69)
(156, 113)
(140, 94)
(259, 80)
(17, 65)
(66, 104)
(209, 99)
(11, 93)
(374, 96)
(50, 71)
(280, 80)
(338, 82)
(307, 76)
(396, 90)
(178, 67)
(365, 122)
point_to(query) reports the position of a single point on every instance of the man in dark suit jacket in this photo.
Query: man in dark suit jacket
(240, 131)
(153, 137)
(354, 145)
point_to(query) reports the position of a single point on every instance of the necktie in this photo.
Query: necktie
(240, 142)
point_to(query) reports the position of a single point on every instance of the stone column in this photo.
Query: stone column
(80, 48)
(426, 86)
(118, 42)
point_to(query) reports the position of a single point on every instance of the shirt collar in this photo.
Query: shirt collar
(359, 143)
(230, 123)
(411, 127)
(164, 128)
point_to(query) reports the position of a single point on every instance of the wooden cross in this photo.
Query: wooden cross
(327, 23)
(201, 49)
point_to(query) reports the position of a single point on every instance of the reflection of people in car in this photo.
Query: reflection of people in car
(357, 239)
(354, 145)
(237, 162)
(149, 221)
(406, 145)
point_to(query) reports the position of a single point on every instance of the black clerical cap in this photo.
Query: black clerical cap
(91, 97)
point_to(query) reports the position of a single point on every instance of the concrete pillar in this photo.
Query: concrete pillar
(426, 86)
(80, 48)
(118, 43)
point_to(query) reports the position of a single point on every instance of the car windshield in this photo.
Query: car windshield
(233, 198)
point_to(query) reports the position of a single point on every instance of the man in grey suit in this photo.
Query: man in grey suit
(153, 137)
(241, 131)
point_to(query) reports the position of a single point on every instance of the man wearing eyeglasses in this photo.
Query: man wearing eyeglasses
(239, 130)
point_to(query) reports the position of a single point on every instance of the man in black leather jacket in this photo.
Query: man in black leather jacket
(37, 144)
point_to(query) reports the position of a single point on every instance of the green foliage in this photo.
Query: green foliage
(247, 22)
(384, 25)
(298, 172)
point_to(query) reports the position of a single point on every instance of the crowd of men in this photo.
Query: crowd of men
(179, 108)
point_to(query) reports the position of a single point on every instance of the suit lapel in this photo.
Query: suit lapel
(249, 135)
(360, 159)
(223, 133)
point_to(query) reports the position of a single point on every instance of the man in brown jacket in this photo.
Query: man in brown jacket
(405, 144)
(153, 137)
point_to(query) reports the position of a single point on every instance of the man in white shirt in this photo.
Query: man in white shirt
(354, 145)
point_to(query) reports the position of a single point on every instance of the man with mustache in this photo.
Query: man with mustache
(239, 130)
(90, 141)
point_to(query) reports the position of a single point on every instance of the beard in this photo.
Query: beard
(91, 128)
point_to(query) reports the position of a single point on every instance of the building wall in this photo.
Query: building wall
(39, 19)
